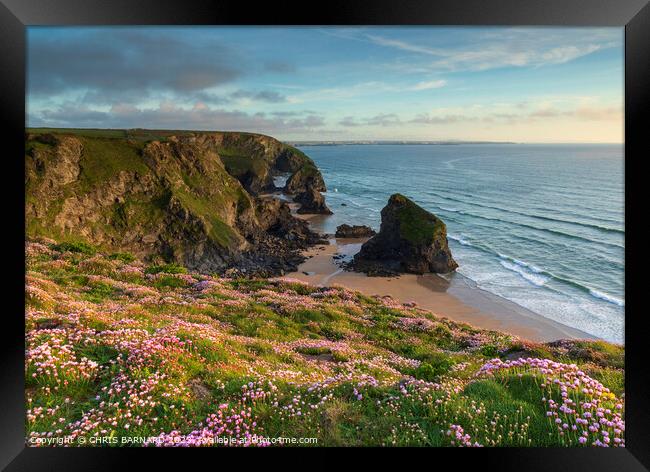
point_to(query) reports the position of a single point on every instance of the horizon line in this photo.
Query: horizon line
(334, 141)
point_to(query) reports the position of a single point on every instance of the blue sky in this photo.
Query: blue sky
(331, 83)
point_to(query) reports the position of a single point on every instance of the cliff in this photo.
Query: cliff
(190, 198)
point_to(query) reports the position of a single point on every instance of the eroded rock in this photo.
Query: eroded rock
(410, 239)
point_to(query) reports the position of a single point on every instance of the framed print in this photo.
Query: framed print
(359, 226)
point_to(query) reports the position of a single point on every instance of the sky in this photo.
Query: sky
(538, 85)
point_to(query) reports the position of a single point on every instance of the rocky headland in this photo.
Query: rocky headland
(192, 198)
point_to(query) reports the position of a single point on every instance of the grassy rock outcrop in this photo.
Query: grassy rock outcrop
(171, 199)
(410, 239)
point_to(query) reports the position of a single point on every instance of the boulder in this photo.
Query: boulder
(356, 231)
(312, 202)
(410, 239)
(305, 178)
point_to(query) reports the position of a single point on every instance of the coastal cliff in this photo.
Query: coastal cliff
(190, 198)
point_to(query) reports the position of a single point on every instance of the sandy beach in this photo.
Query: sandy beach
(451, 297)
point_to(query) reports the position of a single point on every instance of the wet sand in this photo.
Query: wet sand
(451, 297)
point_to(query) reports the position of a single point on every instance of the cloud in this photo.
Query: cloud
(349, 121)
(382, 119)
(508, 47)
(269, 96)
(117, 64)
(432, 84)
(579, 113)
(170, 115)
(432, 119)
(574, 110)
(563, 54)
(280, 67)
(405, 46)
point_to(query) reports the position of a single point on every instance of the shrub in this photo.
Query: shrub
(99, 291)
(169, 281)
(79, 247)
(170, 268)
(490, 350)
(122, 256)
(437, 364)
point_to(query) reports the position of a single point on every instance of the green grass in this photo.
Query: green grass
(416, 224)
(238, 164)
(125, 257)
(218, 231)
(171, 268)
(337, 367)
(104, 158)
(75, 246)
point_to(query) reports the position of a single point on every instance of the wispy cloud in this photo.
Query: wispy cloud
(514, 48)
(362, 89)
(381, 119)
(171, 115)
(543, 112)
(427, 85)
(515, 117)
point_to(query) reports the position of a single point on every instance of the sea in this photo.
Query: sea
(540, 225)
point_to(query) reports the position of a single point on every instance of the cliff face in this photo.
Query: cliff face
(173, 199)
(306, 185)
(410, 239)
(254, 159)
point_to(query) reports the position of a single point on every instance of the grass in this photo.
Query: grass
(416, 224)
(282, 359)
(238, 165)
(208, 194)
(76, 246)
(170, 268)
(103, 158)
(217, 229)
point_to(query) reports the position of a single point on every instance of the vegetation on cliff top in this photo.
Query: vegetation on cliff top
(104, 160)
(182, 196)
(118, 349)
(416, 224)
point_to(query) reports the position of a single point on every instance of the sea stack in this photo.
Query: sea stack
(410, 239)
(306, 185)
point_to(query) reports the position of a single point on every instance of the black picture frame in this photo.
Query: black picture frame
(15, 15)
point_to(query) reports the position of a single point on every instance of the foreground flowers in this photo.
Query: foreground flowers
(116, 355)
(580, 408)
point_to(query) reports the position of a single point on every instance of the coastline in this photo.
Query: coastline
(453, 297)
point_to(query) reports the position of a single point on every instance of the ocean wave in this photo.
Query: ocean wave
(606, 229)
(525, 264)
(489, 202)
(452, 210)
(459, 240)
(511, 262)
(527, 274)
(546, 230)
(606, 297)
